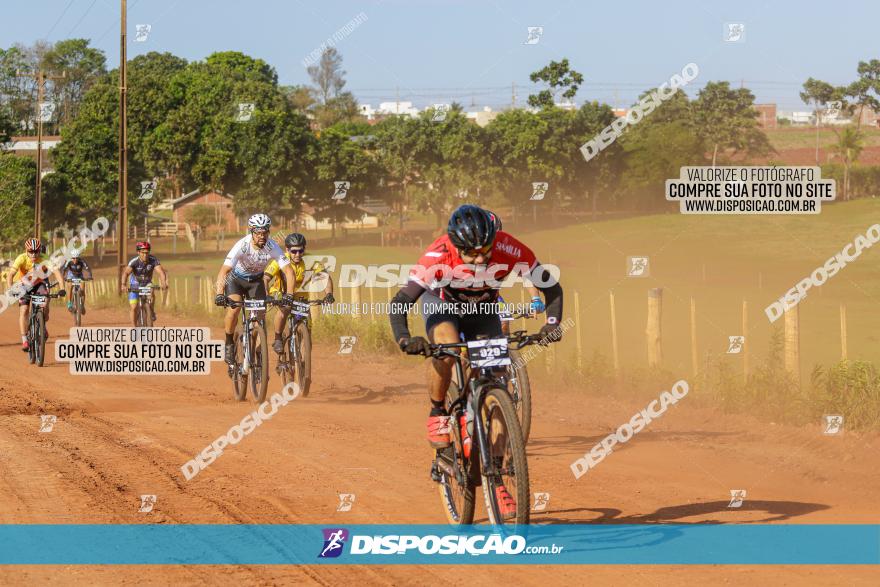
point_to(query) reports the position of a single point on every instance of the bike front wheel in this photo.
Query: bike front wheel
(521, 391)
(39, 338)
(239, 376)
(303, 358)
(508, 476)
(259, 376)
(77, 307)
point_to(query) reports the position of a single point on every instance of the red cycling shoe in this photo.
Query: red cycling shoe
(439, 428)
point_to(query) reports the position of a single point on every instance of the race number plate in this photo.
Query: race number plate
(505, 315)
(301, 309)
(38, 300)
(145, 291)
(490, 352)
(76, 280)
(255, 305)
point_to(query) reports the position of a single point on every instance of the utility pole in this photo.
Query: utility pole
(122, 213)
(41, 78)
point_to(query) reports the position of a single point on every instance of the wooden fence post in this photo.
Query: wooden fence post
(652, 331)
(577, 331)
(614, 353)
(372, 313)
(745, 335)
(694, 359)
(792, 344)
(843, 349)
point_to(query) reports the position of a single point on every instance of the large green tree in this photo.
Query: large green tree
(17, 178)
(726, 120)
(559, 78)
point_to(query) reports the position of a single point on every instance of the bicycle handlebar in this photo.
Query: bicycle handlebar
(520, 337)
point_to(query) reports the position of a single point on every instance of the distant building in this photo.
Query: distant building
(620, 112)
(397, 108)
(26, 146)
(369, 210)
(482, 117)
(367, 111)
(766, 115)
(222, 204)
(797, 117)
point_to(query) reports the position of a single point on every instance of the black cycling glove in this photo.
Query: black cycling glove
(220, 300)
(415, 345)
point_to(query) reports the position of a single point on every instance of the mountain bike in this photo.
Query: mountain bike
(77, 298)
(142, 314)
(251, 349)
(516, 377)
(36, 330)
(295, 362)
(488, 450)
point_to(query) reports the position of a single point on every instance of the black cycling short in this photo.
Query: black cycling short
(243, 287)
(473, 324)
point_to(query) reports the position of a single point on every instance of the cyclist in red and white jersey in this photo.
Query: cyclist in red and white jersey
(242, 273)
(465, 266)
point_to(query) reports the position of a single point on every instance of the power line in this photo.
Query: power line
(63, 12)
(81, 18)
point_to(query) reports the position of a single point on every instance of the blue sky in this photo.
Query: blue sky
(473, 50)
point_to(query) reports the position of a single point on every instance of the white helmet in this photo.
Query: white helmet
(74, 253)
(259, 221)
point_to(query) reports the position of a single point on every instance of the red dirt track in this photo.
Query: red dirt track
(361, 431)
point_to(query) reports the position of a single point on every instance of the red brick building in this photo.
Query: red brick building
(221, 203)
(766, 115)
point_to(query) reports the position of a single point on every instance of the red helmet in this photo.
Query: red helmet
(33, 245)
(142, 245)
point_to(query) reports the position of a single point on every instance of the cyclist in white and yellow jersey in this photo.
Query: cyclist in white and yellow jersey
(274, 279)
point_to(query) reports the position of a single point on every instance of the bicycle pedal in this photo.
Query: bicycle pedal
(435, 472)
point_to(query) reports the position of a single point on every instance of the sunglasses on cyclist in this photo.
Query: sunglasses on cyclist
(296, 251)
(260, 231)
(477, 252)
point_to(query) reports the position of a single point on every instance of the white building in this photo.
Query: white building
(482, 117)
(397, 108)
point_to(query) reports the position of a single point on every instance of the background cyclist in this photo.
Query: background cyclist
(76, 267)
(274, 280)
(139, 273)
(242, 274)
(30, 268)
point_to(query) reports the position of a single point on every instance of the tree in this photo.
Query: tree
(6, 126)
(17, 178)
(726, 119)
(82, 66)
(557, 75)
(818, 93)
(202, 216)
(400, 147)
(850, 143)
(865, 90)
(328, 75)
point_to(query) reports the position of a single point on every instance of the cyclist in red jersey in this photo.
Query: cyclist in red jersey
(465, 266)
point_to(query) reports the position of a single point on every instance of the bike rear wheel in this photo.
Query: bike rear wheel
(40, 340)
(239, 377)
(521, 391)
(259, 375)
(303, 358)
(507, 456)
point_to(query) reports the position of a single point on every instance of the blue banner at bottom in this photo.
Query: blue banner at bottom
(280, 544)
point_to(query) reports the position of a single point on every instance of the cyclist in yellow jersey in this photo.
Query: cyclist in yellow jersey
(295, 243)
(31, 269)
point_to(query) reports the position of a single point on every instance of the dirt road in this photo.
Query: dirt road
(361, 431)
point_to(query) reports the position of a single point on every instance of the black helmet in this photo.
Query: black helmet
(471, 227)
(496, 219)
(295, 239)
